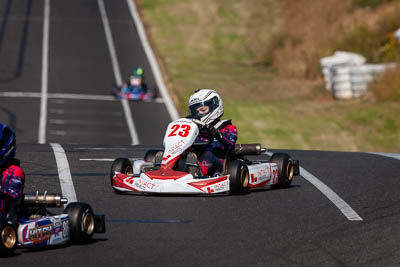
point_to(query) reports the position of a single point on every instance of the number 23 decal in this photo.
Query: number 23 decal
(184, 130)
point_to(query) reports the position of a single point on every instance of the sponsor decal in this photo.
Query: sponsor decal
(221, 186)
(275, 174)
(38, 234)
(140, 184)
(65, 229)
(176, 147)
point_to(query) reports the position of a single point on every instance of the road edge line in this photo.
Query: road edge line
(345, 208)
(45, 72)
(388, 155)
(173, 113)
(117, 72)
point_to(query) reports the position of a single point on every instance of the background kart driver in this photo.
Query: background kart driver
(12, 177)
(207, 106)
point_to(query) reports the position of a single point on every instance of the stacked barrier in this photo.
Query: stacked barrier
(336, 71)
(397, 35)
(346, 75)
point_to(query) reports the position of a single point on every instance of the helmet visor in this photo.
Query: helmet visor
(204, 108)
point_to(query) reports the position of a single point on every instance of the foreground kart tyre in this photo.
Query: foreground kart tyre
(285, 169)
(238, 177)
(8, 238)
(154, 156)
(122, 165)
(81, 222)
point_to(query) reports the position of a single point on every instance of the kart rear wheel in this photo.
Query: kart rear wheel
(8, 238)
(154, 156)
(81, 222)
(238, 177)
(285, 169)
(122, 165)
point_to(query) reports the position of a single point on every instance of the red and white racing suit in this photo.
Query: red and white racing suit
(11, 187)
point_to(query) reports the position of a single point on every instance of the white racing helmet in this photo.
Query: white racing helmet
(207, 105)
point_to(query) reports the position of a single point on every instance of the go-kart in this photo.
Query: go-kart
(135, 93)
(29, 224)
(176, 170)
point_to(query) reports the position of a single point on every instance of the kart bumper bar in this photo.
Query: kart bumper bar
(99, 223)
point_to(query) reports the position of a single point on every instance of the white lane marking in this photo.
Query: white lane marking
(83, 122)
(173, 113)
(45, 72)
(345, 208)
(60, 96)
(106, 159)
(64, 173)
(70, 96)
(56, 111)
(58, 132)
(390, 155)
(101, 148)
(117, 72)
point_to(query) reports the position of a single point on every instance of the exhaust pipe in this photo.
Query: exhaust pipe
(44, 199)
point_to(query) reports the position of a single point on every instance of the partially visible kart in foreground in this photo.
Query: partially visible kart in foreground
(76, 224)
(133, 93)
(176, 170)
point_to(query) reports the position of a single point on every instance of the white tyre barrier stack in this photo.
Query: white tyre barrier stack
(397, 35)
(346, 75)
(337, 73)
(341, 82)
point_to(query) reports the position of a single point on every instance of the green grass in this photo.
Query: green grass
(214, 44)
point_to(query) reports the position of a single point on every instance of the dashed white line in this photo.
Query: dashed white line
(345, 208)
(69, 96)
(173, 113)
(45, 71)
(64, 173)
(117, 72)
(105, 159)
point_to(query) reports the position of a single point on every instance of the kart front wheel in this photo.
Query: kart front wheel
(81, 222)
(285, 169)
(122, 165)
(238, 177)
(8, 238)
(154, 156)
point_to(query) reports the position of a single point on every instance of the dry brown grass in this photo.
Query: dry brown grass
(312, 28)
(387, 87)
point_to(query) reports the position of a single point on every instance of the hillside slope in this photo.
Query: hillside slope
(263, 57)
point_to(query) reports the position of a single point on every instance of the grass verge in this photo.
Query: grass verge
(232, 46)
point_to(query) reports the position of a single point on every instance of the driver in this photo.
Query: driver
(207, 106)
(12, 177)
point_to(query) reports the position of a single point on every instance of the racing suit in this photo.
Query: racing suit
(224, 140)
(11, 187)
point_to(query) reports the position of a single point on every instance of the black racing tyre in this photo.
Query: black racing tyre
(154, 156)
(122, 165)
(285, 169)
(81, 222)
(238, 177)
(8, 238)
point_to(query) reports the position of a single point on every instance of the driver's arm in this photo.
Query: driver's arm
(227, 136)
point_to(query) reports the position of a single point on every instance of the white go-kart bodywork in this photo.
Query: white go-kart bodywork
(145, 176)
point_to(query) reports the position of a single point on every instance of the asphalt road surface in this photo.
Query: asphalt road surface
(304, 225)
